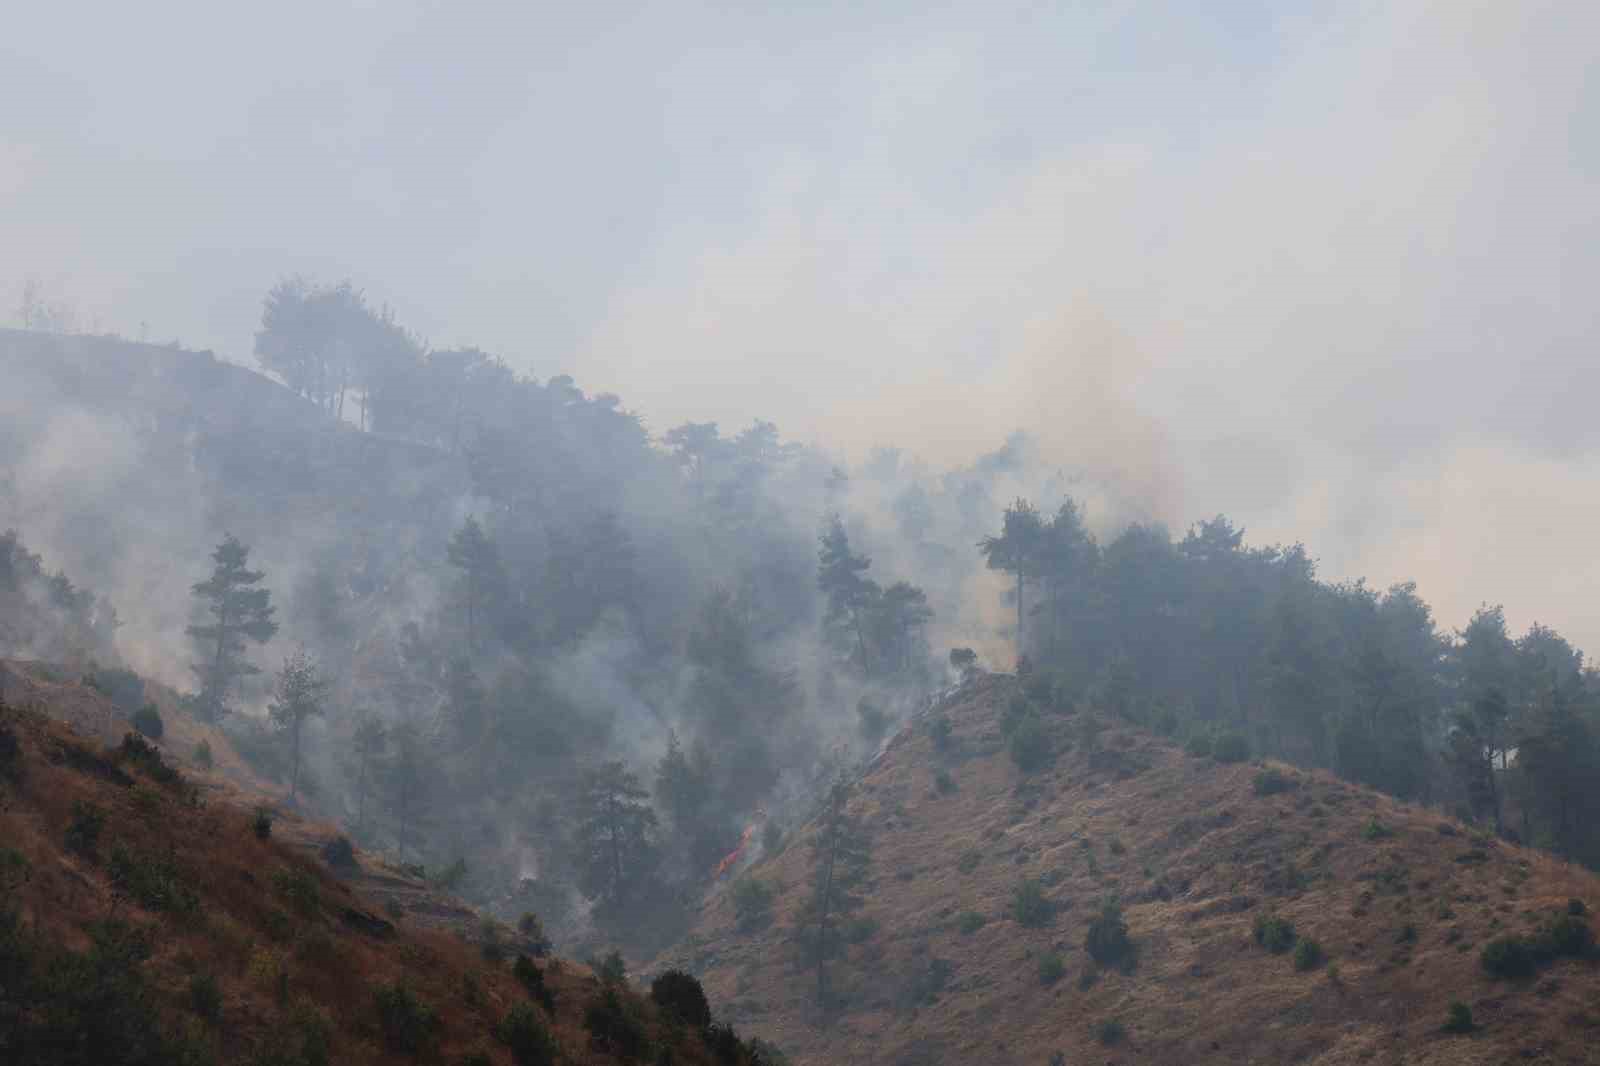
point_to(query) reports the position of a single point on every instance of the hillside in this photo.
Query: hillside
(1401, 900)
(145, 918)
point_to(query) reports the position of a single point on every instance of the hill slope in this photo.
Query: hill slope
(939, 970)
(144, 919)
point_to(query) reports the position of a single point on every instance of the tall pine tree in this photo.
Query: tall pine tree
(241, 614)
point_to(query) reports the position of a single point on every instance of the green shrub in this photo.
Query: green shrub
(1274, 933)
(680, 994)
(528, 974)
(147, 720)
(490, 946)
(1459, 1019)
(139, 751)
(263, 823)
(10, 750)
(611, 968)
(939, 730)
(1051, 969)
(531, 929)
(1509, 957)
(1308, 954)
(1230, 747)
(407, 1023)
(1271, 781)
(299, 889)
(1107, 940)
(1029, 906)
(1375, 830)
(1199, 746)
(205, 997)
(123, 687)
(527, 1037)
(83, 831)
(339, 853)
(202, 755)
(611, 1023)
(752, 903)
(969, 860)
(970, 922)
(1110, 1032)
(1566, 935)
(151, 880)
(1031, 746)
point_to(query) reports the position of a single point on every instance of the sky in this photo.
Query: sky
(1327, 268)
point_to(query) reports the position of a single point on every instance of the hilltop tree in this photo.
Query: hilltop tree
(1016, 551)
(475, 555)
(903, 613)
(298, 695)
(1066, 557)
(241, 614)
(696, 444)
(615, 842)
(851, 597)
(839, 855)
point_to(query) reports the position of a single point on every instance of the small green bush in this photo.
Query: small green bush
(407, 1023)
(1031, 745)
(1271, 781)
(752, 903)
(1029, 906)
(1459, 1019)
(1509, 957)
(1110, 1032)
(611, 968)
(262, 824)
(339, 853)
(142, 754)
(202, 755)
(611, 1023)
(969, 860)
(943, 783)
(1274, 933)
(1051, 969)
(1375, 830)
(1230, 747)
(147, 720)
(83, 831)
(939, 730)
(151, 880)
(969, 922)
(531, 929)
(1308, 954)
(527, 1037)
(1107, 940)
(680, 994)
(299, 889)
(205, 996)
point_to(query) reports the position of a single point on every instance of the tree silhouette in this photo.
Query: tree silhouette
(241, 614)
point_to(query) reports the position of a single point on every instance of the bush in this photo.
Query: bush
(1509, 957)
(1459, 1019)
(202, 755)
(10, 750)
(490, 946)
(1029, 907)
(408, 1024)
(1230, 747)
(339, 853)
(680, 994)
(1274, 933)
(939, 731)
(1051, 969)
(525, 1034)
(1308, 954)
(970, 922)
(263, 823)
(1110, 1032)
(1375, 830)
(147, 720)
(299, 889)
(531, 978)
(969, 860)
(872, 722)
(205, 996)
(1566, 936)
(943, 783)
(1271, 781)
(122, 687)
(137, 750)
(1031, 745)
(1199, 746)
(752, 903)
(531, 930)
(151, 880)
(83, 831)
(612, 969)
(611, 1023)
(1107, 940)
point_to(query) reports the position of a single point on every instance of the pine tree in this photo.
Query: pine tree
(475, 554)
(367, 744)
(851, 596)
(297, 696)
(241, 613)
(409, 776)
(616, 836)
(840, 856)
(1016, 551)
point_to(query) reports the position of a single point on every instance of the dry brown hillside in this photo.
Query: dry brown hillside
(146, 919)
(1401, 900)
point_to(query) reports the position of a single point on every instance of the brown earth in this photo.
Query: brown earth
(1401, 899)
(278, 928)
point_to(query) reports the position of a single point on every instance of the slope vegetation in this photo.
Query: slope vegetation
(1272, 915)
(151, 915)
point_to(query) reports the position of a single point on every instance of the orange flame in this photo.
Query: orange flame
(732, 858)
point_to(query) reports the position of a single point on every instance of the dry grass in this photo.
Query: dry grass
(1194, 855)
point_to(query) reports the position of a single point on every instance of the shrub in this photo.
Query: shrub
(969, 860)
(970, 922)
(611, 1023)
(1051, 969)
(1199, 745)
(1107, 940)
(1274, 933)
(1031, 746)
(202, 755)
(262, 824)
(205, 996)
(151, 880)
(1029, 907)
(531, 930)
(407, 1023)
(1375, 830)
(1308, 954)
(611, 968)
(943, 783)
(925, 984)
(83, 831)
(1576, 908)
(147, 720)
(752, 903)
(1110, 1032)
(1565, 935)
(1230, 747)
(490, 946)
(680, 994)
(137, 750)
(451, 876)
(1271, 781)
(339, 853)
(525, 1034)
(10, 750)
(939, 730)
(1459, 1019)
(872, 722)
(122, 687)
(1509, 956)
(299, 890)
(531, 978)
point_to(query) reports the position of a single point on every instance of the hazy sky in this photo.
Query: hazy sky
(1330, 269)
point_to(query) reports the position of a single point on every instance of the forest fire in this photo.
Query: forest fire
(734, 857)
